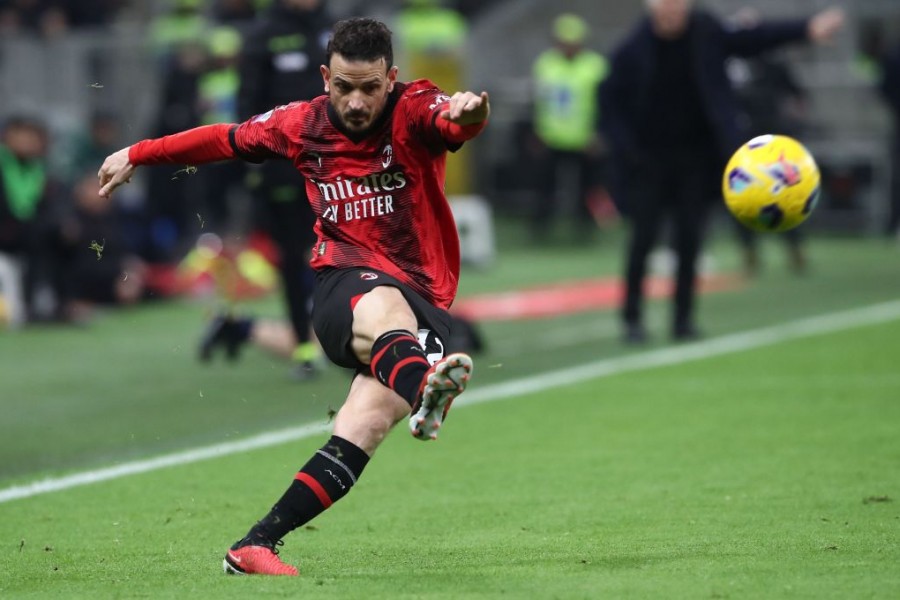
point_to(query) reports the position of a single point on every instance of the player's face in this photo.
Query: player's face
(358, 90)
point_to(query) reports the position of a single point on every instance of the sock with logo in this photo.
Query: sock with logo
(399, 362)
(325, 479)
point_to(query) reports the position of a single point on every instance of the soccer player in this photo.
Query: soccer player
(387, 253)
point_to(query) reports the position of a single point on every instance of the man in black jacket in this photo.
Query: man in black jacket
(671, 117)
(889, 85)
(279, 65)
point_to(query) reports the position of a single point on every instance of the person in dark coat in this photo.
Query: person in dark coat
(279, 65)
(889, 85)
(773, 102)
(97, 264)
(670, 114)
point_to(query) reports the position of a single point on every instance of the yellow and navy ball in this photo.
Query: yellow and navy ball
(771, 183)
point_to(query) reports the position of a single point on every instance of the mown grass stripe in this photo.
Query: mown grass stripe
(727, 344)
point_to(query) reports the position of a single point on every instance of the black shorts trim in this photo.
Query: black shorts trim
(333, 314)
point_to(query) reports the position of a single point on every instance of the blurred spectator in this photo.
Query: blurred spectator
(772, 102)
(431, 43)
(429, 35)
(235, 13)
(54, 22)
(24, 207)
(282, 54)
(220, 81)
(569, 152)
(91, 13)
(86, 148)
(182, 23)
(872, 49)
(178, 37)
(219, 184)
(170, 193)
(280, 64)
(671, 117)
(179, 106)
(53, 17)
(470, 8)
(21, 15)
(98, 265)
(889, 84)
(44, 17)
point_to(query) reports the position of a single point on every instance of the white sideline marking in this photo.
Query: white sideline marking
(727, 344)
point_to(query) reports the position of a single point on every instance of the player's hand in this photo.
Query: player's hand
(824, 25)
(467, 108)
(116, 170)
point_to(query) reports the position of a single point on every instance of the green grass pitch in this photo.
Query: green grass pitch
(765, 473)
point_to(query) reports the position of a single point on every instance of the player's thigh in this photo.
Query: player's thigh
(339, 292)
(378, 311)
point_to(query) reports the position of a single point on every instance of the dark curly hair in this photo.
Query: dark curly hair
(361, 39)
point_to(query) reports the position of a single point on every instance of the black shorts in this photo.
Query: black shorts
(336, 294)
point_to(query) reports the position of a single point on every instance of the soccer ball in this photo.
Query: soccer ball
(771, 183)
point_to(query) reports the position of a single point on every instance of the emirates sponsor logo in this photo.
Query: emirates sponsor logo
(355, 198)
(351, 188)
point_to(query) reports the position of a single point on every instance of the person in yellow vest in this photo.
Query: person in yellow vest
(183, 22)
(431, 44)
(218, 185)
(567, 78)
(218, 85)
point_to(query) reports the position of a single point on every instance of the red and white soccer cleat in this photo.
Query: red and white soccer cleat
(446, 380)
(256, 560)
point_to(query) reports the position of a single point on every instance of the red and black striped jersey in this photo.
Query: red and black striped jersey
(378, 197)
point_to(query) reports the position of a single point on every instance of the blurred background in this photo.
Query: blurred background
(81, 79)
(116, 295)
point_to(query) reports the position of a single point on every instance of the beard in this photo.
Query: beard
(357, 120)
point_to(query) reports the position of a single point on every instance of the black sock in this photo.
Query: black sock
(325, 479)
(242, 327)
(399, 362)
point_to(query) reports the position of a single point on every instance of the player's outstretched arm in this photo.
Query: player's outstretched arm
(467, 108)
(200, 145)
(116, 170)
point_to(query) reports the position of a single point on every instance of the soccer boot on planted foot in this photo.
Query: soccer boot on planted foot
(446, 380)
(255, 560)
